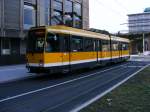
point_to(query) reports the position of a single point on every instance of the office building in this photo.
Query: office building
(139, 31)
(17, 16)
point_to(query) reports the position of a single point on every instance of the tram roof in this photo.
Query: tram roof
(75, 31)
(115, 38)
(80, 32)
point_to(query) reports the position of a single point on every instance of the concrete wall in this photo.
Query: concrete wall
(85, 14)
(12, 14)
(12, 20)
(12, 23)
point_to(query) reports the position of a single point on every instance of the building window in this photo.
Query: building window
(44, 12)
(57, 5)
(57, 16)
(77, 15)
(59, 0)
(23, 47)
(68, 16)
(6, 46)
(29, 16)
(15, 46)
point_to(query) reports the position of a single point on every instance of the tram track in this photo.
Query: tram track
(70, 95)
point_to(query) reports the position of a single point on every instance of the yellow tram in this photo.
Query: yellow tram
(59, 48)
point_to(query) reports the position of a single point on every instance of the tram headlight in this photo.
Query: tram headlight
(41, 63)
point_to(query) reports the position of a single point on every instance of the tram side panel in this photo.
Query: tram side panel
(65, 49)
(82, 52)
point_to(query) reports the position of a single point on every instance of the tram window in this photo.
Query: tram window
(125, 46)
(52, 43)
(88, 44)
(39, 43)
(115, 46)
(105, 45)
(66, 44)
(100, 46)
(77, 44)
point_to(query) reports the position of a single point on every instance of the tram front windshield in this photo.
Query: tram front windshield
(36, 41)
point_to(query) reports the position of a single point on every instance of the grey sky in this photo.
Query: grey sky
(109, 14)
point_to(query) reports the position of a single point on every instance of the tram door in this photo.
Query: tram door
(120, 50)
(97, 46)
(66, 52)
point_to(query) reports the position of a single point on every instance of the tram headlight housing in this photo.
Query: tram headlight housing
(41, 63)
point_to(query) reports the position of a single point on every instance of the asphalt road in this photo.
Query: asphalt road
(64, 92)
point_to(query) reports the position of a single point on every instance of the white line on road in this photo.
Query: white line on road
(105, 92)
(134, 66)
(49, 87)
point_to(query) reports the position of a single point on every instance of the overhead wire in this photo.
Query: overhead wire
(110, 9)
(121, 5)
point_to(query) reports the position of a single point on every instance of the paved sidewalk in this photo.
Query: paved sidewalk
(15, 72)
(140, 58)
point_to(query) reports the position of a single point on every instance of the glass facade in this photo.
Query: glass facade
(66, 12)
(57, 4)
(139, 22)
(68, 16)
(54, 12)
(29, 16)
(57, 16)
(77, 15)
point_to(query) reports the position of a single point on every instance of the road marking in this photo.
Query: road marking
(20, 68)
(49, 87)
(134, 66)
(107, 91)
(85, 92)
